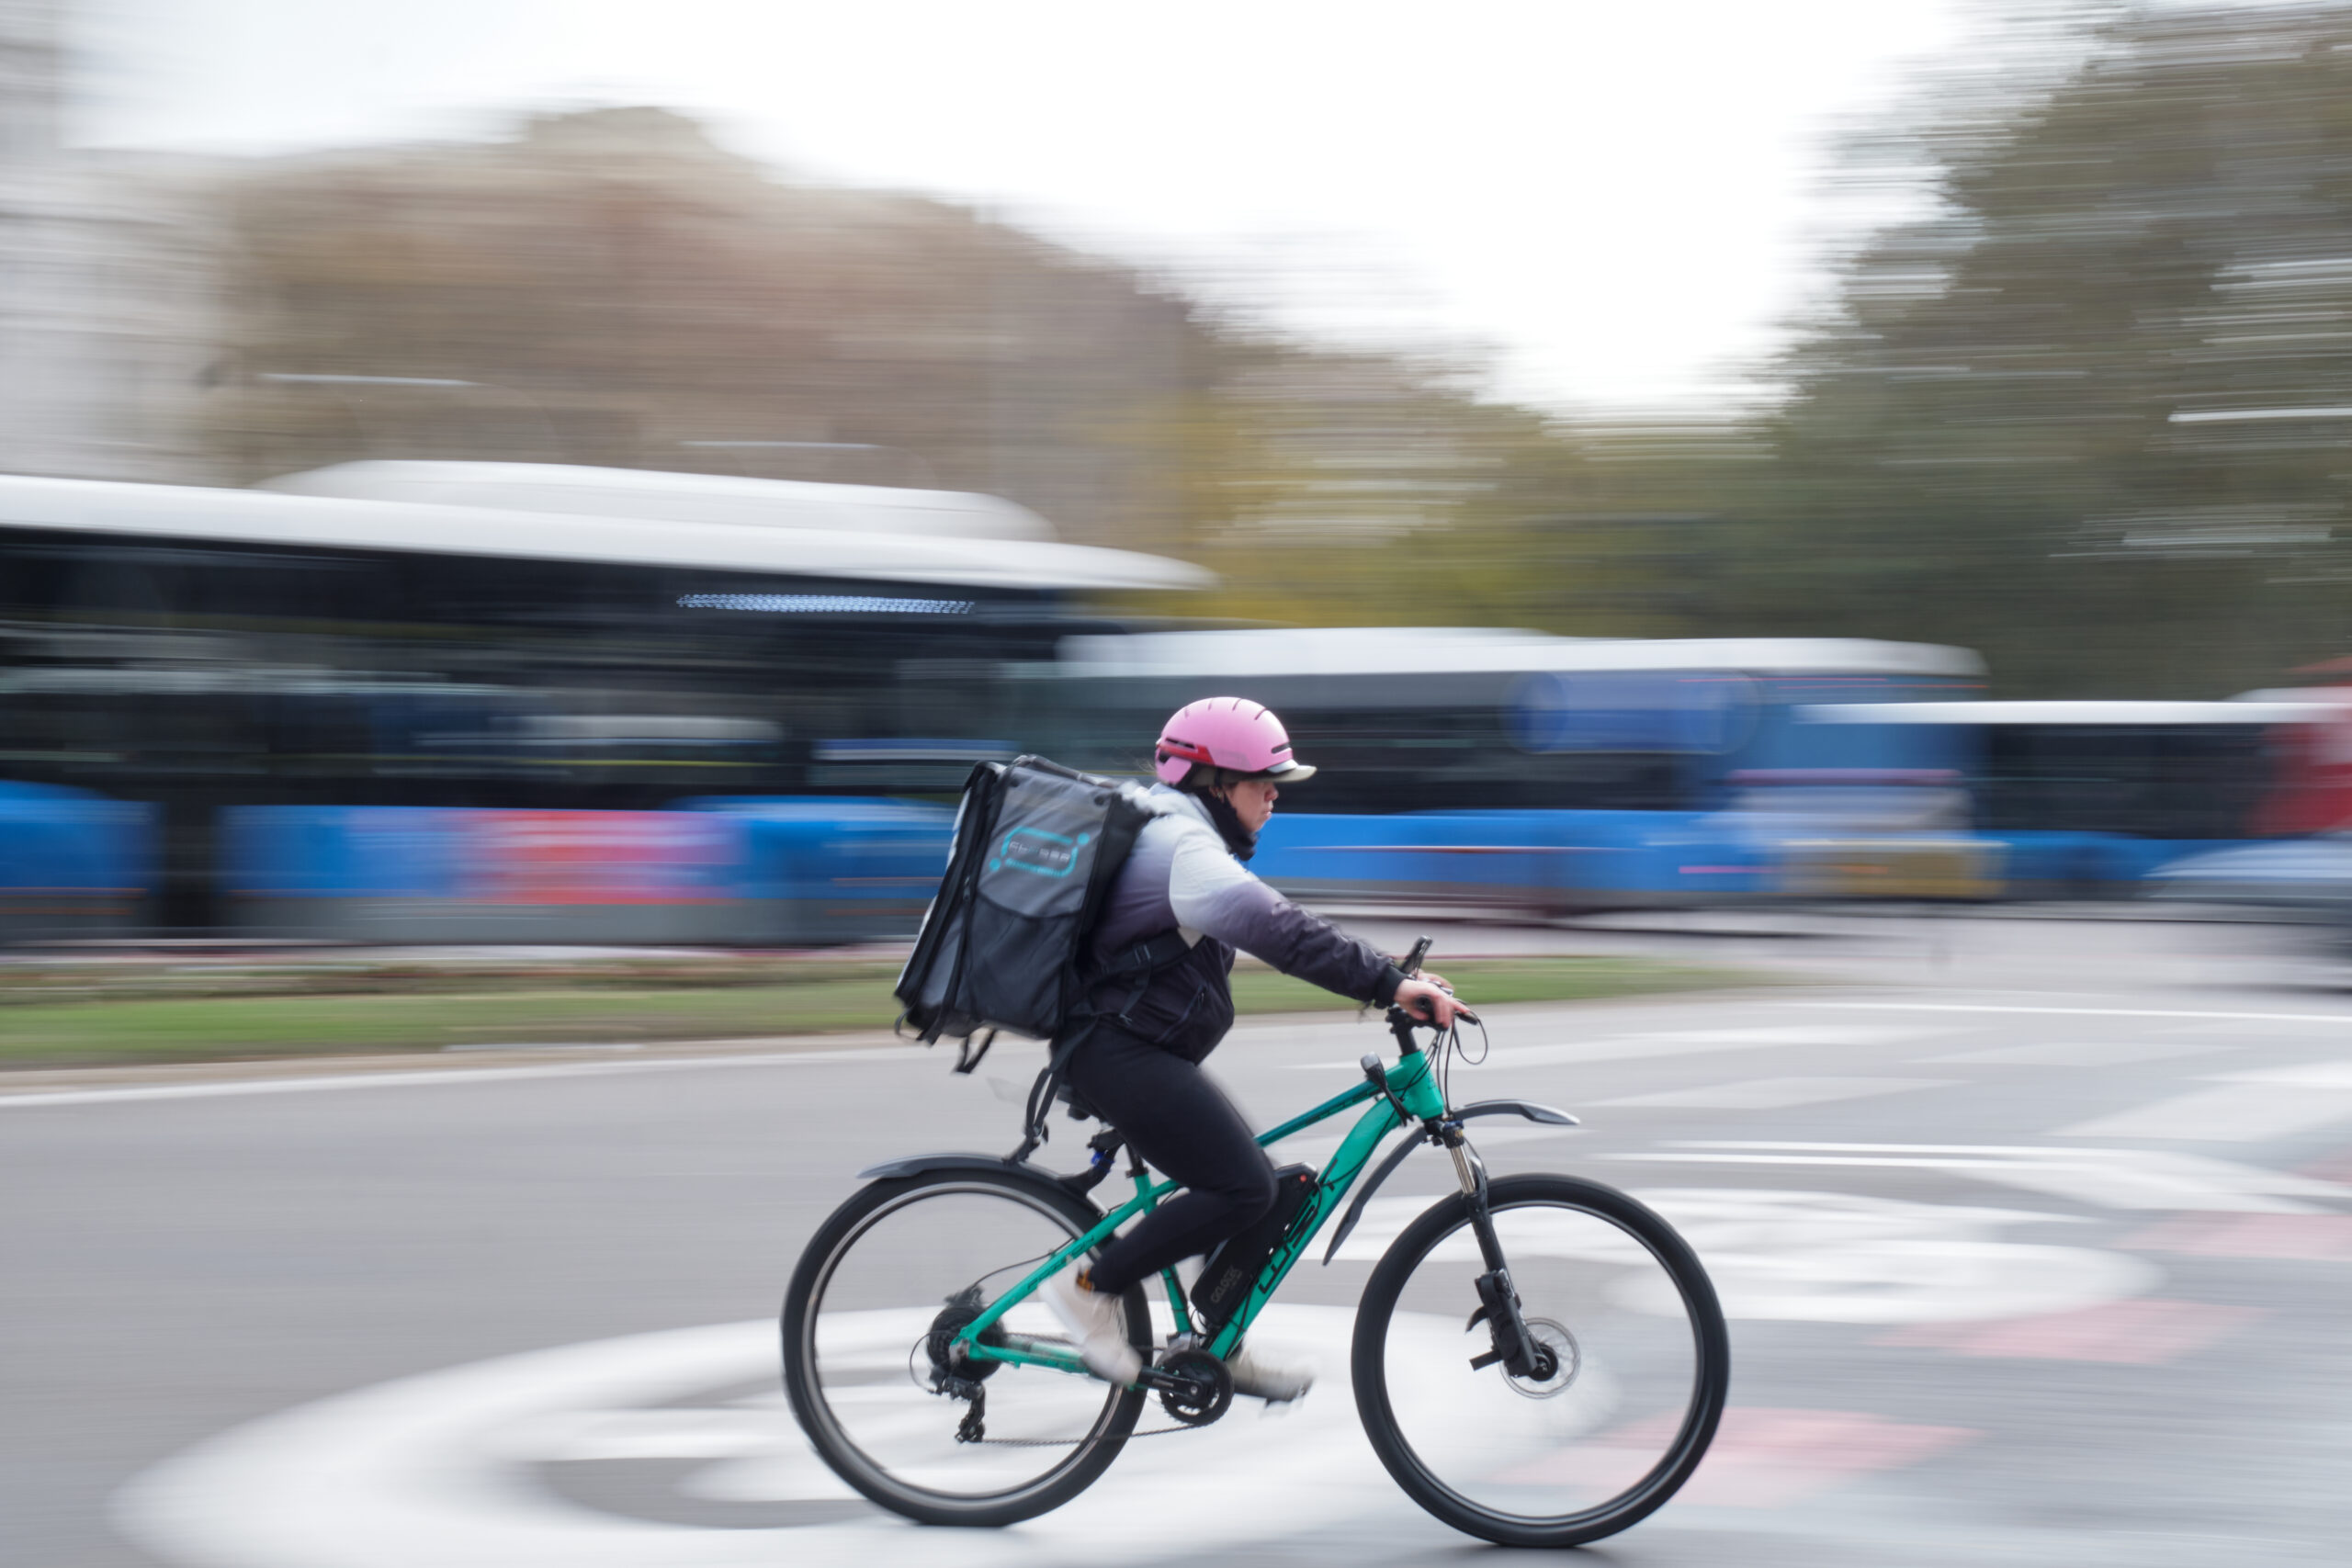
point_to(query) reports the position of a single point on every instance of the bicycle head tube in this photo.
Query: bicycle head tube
(1415, 1085)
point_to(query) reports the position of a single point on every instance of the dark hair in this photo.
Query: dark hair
(1202, 777)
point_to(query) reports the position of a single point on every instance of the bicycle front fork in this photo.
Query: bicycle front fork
(1522, 1355)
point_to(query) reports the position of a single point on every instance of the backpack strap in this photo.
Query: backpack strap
(1044, 1087)
(1140, 960)
(968, 1056)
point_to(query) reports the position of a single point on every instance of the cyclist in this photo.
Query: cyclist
(1222, 763)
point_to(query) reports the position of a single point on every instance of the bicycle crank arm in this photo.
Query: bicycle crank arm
(1161, 1381)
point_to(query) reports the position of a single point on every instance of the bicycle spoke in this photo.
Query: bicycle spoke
(1567, 1450)
(864, 1379)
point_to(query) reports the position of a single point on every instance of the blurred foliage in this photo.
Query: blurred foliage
(56, 982)
(169, 1014)
(2089, 414)
(615, 290)
(610, 287)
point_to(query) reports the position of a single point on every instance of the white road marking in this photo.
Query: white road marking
(1840, 1257)
(2128, 1179)
(2340, 1019)
(448, 1469)
(1774, 1094)
(438, 1470)
(324, 1083)
(2249, 1107)
(2075, 1053)
(1667, 1042)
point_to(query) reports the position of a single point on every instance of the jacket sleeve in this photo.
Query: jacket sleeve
(1211, 893)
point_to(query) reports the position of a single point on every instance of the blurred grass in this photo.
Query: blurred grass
(246, 1014)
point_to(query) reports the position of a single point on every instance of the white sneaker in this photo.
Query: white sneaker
(1262, 1376)
(1098, 1324)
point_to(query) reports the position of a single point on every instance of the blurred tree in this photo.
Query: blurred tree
(610, 287)
(2093, 416)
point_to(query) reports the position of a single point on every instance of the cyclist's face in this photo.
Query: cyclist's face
(1252, 801)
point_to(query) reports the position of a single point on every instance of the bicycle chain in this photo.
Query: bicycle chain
(1073, 1442)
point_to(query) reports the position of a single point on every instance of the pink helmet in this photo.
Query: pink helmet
(1232, 733)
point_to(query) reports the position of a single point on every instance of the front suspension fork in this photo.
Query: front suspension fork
(1498, 1304)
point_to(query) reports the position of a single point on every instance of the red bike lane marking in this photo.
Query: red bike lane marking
(2308, 1238)
(2145, 1332)
(1761, 1458)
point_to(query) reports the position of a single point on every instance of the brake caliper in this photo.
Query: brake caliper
(1522, 1355)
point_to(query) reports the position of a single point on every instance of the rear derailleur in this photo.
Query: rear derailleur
(952, 1374)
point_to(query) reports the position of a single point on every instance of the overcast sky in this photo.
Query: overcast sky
(1624, 200)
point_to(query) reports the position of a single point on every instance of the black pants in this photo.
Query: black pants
(1185, 1126)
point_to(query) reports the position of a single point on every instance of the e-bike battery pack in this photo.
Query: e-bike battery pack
(1232, 1265)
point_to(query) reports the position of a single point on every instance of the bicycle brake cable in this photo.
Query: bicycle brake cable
(1453, 1049)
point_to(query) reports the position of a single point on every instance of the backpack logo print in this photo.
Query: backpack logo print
(1041, 853)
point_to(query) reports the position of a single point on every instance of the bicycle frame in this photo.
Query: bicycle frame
(1408, 1091)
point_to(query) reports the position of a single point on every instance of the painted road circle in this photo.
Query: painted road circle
(675, 1451)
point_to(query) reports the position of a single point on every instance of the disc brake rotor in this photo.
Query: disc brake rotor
(1568, 1360)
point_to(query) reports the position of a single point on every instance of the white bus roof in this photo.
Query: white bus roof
(853, 550)
(2075, 714)
(2326, 696)
(1406, 650)
(675, 498)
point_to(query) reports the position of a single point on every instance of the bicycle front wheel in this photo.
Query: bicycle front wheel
(1640, 1364)
(879, 1293)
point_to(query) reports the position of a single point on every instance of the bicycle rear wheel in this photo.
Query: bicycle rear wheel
(1642, 1363)
(879, 1291)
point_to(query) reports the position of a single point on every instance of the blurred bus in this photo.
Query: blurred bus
(2087, 799)
(524, 638)
(1526, 772)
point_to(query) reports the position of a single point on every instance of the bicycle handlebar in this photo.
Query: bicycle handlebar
(1402, 1020)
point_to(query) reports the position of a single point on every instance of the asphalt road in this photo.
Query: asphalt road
(2035, 1236)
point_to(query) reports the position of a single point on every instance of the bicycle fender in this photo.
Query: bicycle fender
(916, 1165)
(919, 1164)
(1387, 1168)
(1527, 1108)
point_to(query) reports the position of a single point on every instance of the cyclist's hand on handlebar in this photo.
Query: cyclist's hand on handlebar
(1430, 1002)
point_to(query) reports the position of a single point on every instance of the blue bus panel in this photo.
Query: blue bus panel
(759, 873)
(73, 863)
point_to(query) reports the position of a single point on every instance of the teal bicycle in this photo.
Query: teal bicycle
(1538, 1359)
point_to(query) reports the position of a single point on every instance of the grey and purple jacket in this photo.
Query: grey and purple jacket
(1181, 877)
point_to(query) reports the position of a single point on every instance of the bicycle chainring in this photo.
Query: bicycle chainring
(1207, 1391)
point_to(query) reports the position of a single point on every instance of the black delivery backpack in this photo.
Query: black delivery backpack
(1036, 846)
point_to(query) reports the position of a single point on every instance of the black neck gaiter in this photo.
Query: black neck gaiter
(1238, 838)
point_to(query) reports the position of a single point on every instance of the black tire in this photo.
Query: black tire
(1679, 1446)
(1095, 1438)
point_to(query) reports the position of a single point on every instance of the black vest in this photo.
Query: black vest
(1184, 1006)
